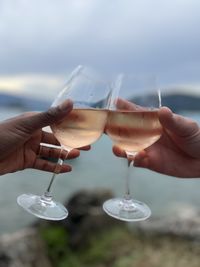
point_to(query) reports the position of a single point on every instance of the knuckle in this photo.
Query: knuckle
(51, 113)
(193, 125)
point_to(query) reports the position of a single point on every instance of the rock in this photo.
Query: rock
(23, 249)
(86, 215)
(184, 223)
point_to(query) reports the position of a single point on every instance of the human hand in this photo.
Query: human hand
(20, 139)
(177, 152)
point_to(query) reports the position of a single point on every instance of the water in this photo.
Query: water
(98, 168)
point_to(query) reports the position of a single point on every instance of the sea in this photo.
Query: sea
(96, 169)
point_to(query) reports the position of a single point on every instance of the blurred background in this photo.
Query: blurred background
(43, 41)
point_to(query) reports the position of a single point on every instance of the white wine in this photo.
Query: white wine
(80, 128)
(133, 131)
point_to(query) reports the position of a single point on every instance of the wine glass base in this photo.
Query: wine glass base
(127, 210)
(42, 207)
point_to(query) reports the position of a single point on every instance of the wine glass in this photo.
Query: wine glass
(83, 126)
(132, 125)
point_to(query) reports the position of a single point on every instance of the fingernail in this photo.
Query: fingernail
(66, 105)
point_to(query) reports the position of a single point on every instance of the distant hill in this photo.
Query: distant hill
(177, 102)
(24, 103)
(181, 102)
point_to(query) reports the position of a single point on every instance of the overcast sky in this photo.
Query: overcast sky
(42, 40)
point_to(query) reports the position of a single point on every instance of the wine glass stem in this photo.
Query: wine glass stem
(48, 193)
(128, 176)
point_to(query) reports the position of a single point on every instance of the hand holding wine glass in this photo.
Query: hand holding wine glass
(21, 137)
(177, 152)
(83, 126)
(132, 125)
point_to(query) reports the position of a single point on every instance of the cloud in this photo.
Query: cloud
(48, 37)
(40, 85)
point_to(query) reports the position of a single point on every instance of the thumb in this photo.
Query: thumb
(176, 124)
(42, 119)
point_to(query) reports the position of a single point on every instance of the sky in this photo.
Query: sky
(41, 42)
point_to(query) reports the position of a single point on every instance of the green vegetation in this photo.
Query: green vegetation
(120, 247)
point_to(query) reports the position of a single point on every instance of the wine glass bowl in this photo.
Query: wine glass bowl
(132, 125)
(81, 127)
(135, 130)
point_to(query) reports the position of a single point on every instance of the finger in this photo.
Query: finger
(73, 154)
(177, 124)
(119, 152)
(85, 148)
(42, 119)
(47, 151)
(53, 151)
(126, 105)
(141, 159)
(76, 153)
(49, 138)
(45, 165)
